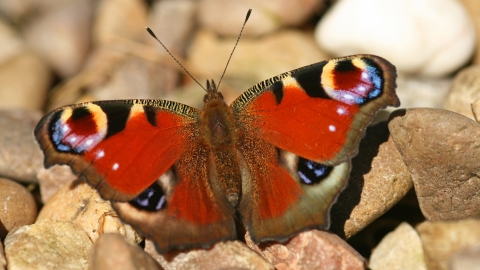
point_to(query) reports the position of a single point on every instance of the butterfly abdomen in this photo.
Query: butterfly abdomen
(219, 127)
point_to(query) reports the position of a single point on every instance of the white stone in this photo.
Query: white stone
(425, 37)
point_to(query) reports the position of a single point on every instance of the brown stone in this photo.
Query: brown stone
(473, 9)
(464, 91)
(81, 204)
(10, 40)
(21, 11)
(312, 249)
(442, 239)
(20, 156)
(47, 244)
(266, 17)
(255, 60)
(112, 250)
(128, 71)
(52, 179)
(67, 45)
(223, 255)
(174, 23)
(18, 206)
(3, 260)
(134, 77)
(476, 110)
(111, 21)
(441, 150)
(400, 249)
(379, 179)
(24, 81)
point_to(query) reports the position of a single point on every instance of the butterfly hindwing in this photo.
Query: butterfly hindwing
(277, 201)
(305, 126)
(123, 147)
(189, 213)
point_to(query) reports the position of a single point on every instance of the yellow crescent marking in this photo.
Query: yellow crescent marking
(99, 116)
(66, 114)
(291, 82)
(136, 109)
(327, 77)
(359, 63)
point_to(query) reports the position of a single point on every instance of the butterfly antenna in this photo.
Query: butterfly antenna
(155, 37)
(239, 35)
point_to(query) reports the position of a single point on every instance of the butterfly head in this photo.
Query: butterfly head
(212, 93)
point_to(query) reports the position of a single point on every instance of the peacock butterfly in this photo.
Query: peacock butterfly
(276, 159)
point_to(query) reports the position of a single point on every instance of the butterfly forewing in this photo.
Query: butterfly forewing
(107, 142)
(319, 111)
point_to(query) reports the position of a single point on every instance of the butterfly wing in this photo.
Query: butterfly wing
(123, 147)
(302, 128)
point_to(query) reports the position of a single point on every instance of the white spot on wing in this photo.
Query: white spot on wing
(73, 139)
(115, 166)
(89, 142)
(332, 128)
(100, 154)
(341, 111)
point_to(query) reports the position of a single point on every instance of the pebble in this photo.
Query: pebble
(3, 260)
(52, 179)
(441, 150)
(81, 204)
(468, 258)
(121, 19)
(426, 37)
(173, 22)
(223, 255)
(68, 27)
(129, 71)
(132, 78)
(21, 11)
(400, 249)
(20, 158)
(266, 17)
(15, 9)
(112, 250)
(312, 249)
(476, 110)
(255, 60)
(417, 91)
(47, 244)
(11, 42)
(24, 82)
(443, 239)
(464, 91)
(379, 179)
(18, 206)
(473, 9)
